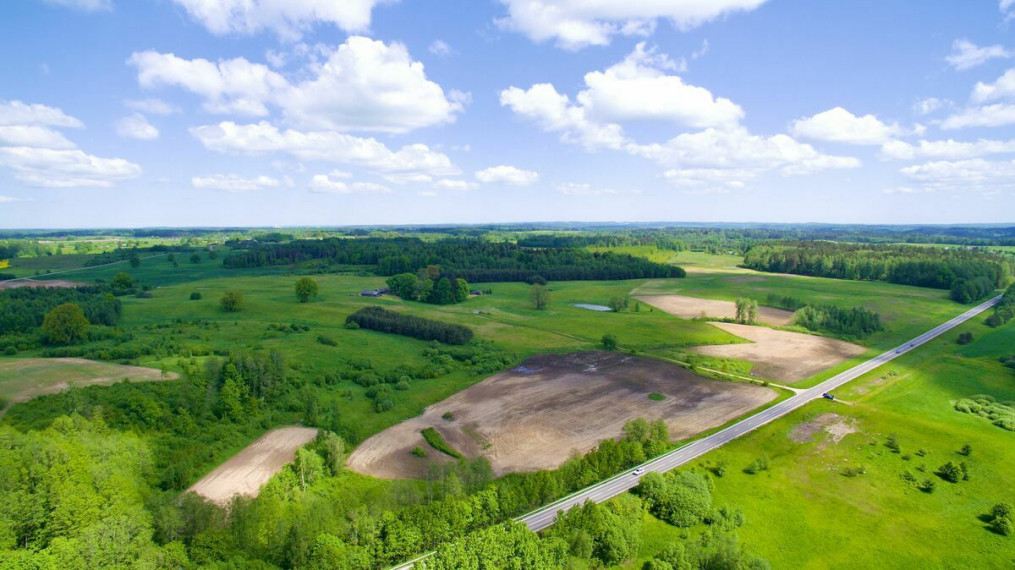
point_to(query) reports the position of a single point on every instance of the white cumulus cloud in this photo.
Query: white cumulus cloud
(363, 85)
(324, 146)
(332, 184)
(136, 126)
(636, 89)
(39, 155)
(996, 115)
(964, 175)
(575, 24)
(234, 182)
(507, 175)
(839, 125)
(287, 18)
(946, 149)
(967, 55)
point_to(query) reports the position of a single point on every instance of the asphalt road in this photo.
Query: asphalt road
(546, 516)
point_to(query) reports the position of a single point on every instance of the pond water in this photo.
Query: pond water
(601, 308)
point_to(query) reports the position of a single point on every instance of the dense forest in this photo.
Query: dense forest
(937, 268)
(23, 309)
(383, 320)
(475, 260)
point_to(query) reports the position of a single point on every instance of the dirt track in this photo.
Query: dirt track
(539, 414)
(693, 307)
(781, 355)
(245, 472)
(14, 284)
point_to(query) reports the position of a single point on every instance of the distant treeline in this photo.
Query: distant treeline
(383, 320)
(23, 309)
(924, 267)
(1004, 311)
(474, 260)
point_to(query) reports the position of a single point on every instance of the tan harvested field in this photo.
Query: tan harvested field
(245, 472)
(781, 355)
(22, 379)
(537, 415)
(14, 284)
(694, 307)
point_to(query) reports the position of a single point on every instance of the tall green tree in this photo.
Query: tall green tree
(306, 289)
(65, 324)
(540, 297)
(232, 301)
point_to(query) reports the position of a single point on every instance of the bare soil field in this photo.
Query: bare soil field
(834, 425)
(693, 307)
(537, 415)
(245, 472)
(22, 379)
(781, 355)
(14, 284)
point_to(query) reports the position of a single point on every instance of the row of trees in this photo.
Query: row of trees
(428, 286)
(746, 311)
(966, 291)
(924, 267)
(383, 320)
(475, 260)
(1005, 309)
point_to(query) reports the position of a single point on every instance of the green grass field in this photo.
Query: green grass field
(24, 378)
(805, 513)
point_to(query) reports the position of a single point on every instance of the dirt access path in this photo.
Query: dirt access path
(537, 415)
(245, 472)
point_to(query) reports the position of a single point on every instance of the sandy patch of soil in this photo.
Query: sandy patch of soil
(12, 284)
(537, 415)
(245, 472)
(22, 379)
(694, 307)
(834, 425)
(781, 355)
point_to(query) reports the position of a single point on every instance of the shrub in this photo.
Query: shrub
(949, 472)
(418, 451)
(352, 325)
(656, 397)
(609, 342)
(306, 289)
(966, 450)
(758, 465)
(383, 405)
(927, 486)
(327, 340)
(195, 296)
(965, 338)
(436, 441)
(232, 301)
(10, 351)
(448, 417)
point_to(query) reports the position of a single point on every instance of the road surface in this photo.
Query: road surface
(546, 516)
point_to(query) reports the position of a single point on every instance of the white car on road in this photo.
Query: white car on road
(638, 472)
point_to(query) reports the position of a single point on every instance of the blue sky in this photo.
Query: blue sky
(320, 112)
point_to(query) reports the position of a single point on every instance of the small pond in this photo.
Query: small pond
(601, 308)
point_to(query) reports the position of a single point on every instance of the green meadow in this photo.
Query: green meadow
(878, 519)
